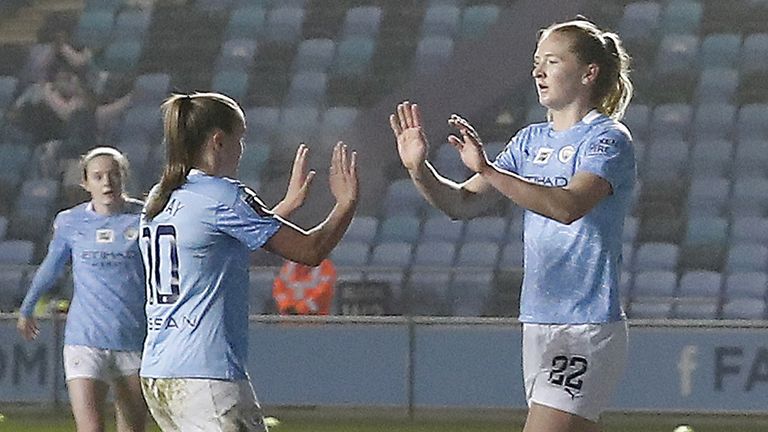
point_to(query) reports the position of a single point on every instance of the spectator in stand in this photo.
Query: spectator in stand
(303, 290)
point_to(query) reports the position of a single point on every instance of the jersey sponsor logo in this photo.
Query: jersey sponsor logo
(556, 181)
(105, 236)
(566, 154)
(253, 201)
(131, 233)
(603, 147)
(543, 155)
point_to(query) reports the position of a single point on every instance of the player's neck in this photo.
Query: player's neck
(108, 209)
(563, 119)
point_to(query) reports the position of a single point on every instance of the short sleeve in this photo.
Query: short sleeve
(508, 159)
(609, 155)
(248, 220)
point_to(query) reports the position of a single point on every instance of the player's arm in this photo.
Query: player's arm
(563, 204)
(312, 246)
(298, 185)
(46, 275)
(458, 200)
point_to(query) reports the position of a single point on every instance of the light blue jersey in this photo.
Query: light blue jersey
(107, 308)
(572, 272)
(197, 252)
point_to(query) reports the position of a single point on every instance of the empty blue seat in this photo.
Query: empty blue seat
(441, 227)
(396, 255)
(712, 157)
(714, 120)
(150, 89)
(441, 20)
(246, 23)
(265, 120)
(307, 88)
(122, 56)
(677, 54)
(131, 24)
(433, 53)
(284, 24)
(650, 309)
(237, 54)
(427, 293)
(656, 256)
(353, 56)
(314, 55)
(717, 84)
(754, 53)
(747, 257)
(16, 251)
(637, 119)
(708, 196)
(232, 83)
(699, 310)
(682, 16)
(362, 229)
(399, 228)
(751, 157)
(351, 253)
(512, 255)
(403, 198)
(748, 196)
(11, 289)
(335, 122)
(744, 309)
(469, 292)
(362, 21)
(640, 20)
(746, 285)
(486, 228)
(706, 230)
(747, 229)
(478, 254)
(720, 49)
(752, 122)
(700, 283)
(7, 89)
(298, 124)
(667, 159)
(670, 121)
(94, 28)
(654, 284)
(476, 20)
(435, 253)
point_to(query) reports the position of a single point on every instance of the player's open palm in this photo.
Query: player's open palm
(411, 141)
(301, 178)
(343, 174)
(28, 328)
(469, 145)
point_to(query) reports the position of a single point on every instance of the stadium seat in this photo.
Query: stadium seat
(7, 91)
(246, 23)
(237, 54)
(714, 120)
(712, 157)
(232, 83)
(399, 228)
(656, 285)
(752, 122)
(314, 55)
(469, 292)
(706, 230)
(150, 89)
(284, 24)
(335, 122)
(670, 121)
(478, 254)
(667, 159)
(395, 255)
(640, 21)
(307, 89)
(122, 56)
(682, 16)
(432, 54)
(720, 49)
(746, 285)
(351, 253)
(403, 198)
(11, 288)
(744, 309)
(699, 310)
(353, 56)
(16, 251)
(477, 19)
(486, 228)
(441, 20)
(362, 229)
(435, 253)
(637, 120)
(512, 256)
(748, 196)
(394, 280)
(754, 54)
(362, 21)
(650, 310)
(427, 293)
(747, 229)
(701, 284)
(747, 257)
(717, 84)
(656, 256)
(677, 54)
(265, 120)
(131, 24)
(708, 196)
(751, 158)
(94, 28)
(441, 227)
(298, 124)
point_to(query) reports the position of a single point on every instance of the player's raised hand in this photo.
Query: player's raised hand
(301, 178)
(412, 143)
(342, 175)
(28, 328)
(470, 146)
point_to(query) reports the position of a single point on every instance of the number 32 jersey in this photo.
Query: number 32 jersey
(196, 255)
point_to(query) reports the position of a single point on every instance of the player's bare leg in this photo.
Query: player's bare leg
(130, 407)
(545, 419)
(87, 397)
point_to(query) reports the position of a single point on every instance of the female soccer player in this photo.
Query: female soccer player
(198, 227)
(574, 175)
(105, 324)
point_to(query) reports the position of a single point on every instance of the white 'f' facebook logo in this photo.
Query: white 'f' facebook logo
(686, 365)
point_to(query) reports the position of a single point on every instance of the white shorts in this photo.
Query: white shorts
(101, 364)
(203, 405)
(574, 367)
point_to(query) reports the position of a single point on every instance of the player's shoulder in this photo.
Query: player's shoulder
(133, 206)
(71, 216)
(606, 127)
(221, 189)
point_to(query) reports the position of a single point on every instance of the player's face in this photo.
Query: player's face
(104, 180)
(557, 71)
(232, 151)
